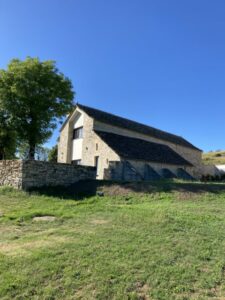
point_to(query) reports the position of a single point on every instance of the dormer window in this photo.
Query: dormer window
(78, 133)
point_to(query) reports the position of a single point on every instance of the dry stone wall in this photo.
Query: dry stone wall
(28, 174)
(11, 173)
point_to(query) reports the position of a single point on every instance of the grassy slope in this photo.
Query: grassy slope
(162, 245)
(214, 158)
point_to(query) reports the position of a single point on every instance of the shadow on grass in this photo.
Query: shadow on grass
(89, 188)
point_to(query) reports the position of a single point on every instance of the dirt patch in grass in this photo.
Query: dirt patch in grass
(7, 231)
(82, 292)
(143, 291)
(99, 222)
(128, 189)
(139, 290)
(44, 218)
(24, 248)
(187, 196)
(185, 189)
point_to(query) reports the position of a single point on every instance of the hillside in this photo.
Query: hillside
(214, 158)
(167, 243)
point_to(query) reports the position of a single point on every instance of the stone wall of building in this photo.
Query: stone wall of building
(64, 145)
(140, 166)
(93, 146)
(27, 174)
(135, 169)
(209, 170)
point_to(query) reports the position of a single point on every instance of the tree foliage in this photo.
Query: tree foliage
(53, 154)
(7, 137)
(36, 96)
(41, 152)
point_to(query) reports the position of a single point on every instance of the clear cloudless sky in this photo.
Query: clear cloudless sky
(159, 62)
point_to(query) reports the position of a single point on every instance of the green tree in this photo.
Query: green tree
(7, 137)
(36, 96)
(53, 154)
(41, 153)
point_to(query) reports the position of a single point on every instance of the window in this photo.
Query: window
(76, 162)
(78, 133)
(97, 164)
(96, 146)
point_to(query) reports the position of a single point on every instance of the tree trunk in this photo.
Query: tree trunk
(32, 151)
(1, 156)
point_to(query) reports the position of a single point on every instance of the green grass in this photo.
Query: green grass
(214, 158)
(167, 244)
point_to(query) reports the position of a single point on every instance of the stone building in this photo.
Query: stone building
(123, 149)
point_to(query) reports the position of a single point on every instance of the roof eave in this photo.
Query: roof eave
(69, 116)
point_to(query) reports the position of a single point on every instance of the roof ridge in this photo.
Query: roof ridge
(118, 116)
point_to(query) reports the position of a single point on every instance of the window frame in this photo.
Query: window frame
(78, 129)
(76, 162)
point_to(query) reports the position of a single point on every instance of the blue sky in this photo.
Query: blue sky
(158, 62)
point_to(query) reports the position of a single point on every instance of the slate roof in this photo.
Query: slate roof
(135, 126)
(137, 149)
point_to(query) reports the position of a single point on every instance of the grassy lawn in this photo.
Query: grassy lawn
(165, 244)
